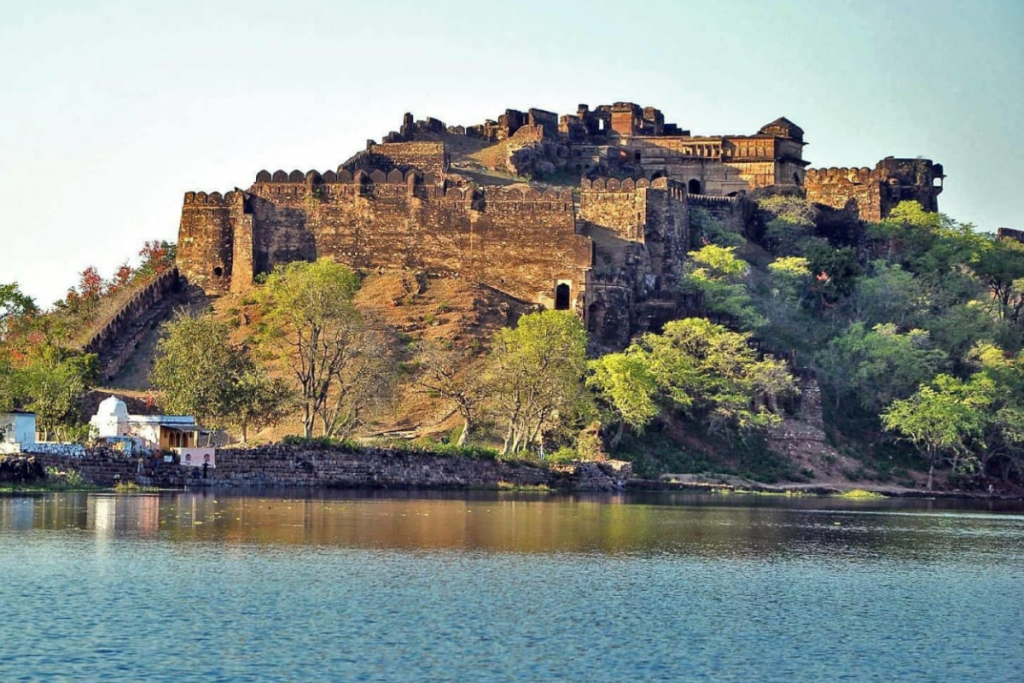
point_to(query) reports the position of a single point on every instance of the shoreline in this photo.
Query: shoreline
(382, 469)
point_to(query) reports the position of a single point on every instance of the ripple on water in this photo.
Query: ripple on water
(502, 588)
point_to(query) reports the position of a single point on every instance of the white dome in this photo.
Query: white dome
(112, 406)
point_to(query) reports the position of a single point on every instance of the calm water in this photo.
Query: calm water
(492, 587)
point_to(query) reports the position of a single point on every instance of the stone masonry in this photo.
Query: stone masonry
(611, 249)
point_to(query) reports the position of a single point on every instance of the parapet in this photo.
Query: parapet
(675, 188)
(374, 176)
(213, 199)
(857, 176)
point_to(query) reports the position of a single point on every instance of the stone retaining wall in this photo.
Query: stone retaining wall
(314, 467)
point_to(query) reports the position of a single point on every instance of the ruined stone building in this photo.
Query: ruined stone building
(451, 201)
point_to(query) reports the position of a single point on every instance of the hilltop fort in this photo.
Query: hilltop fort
(592, 211)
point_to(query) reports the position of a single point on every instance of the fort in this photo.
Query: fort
(591, 212)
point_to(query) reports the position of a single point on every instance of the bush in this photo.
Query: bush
(563, 455)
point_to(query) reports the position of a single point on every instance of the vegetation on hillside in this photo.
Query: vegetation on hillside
(42, 365)
(914, 326)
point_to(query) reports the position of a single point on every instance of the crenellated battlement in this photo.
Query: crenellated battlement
(710, 201)
(843, 174)
(374, 176)
(213, 199)
(676, 189)
(873, 192)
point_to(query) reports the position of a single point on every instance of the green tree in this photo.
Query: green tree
(941, 418)
(889, 294)
(458, 380)
(10, 389)
(625, 384)
(536, 376)
(1000, 266)
(258, 400)
(877, 365)
(925, 242)
(835, 270)
(720, 276)
(197, 368)
(312, 326)
(13, 304)
(712, 374)
(788, 220)
(55, 382)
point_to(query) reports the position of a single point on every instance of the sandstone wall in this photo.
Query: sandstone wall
(427, 157)
(873, 193)
(517, 239)
(641, 235)
(206, 238)
(855, 189)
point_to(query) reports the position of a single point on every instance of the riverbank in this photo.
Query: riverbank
(723, 483)
(304, 466)
(343, 467)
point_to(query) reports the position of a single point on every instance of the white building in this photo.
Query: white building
(177, 433)
(17, 431)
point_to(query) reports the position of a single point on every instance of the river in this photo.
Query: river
(343, 586)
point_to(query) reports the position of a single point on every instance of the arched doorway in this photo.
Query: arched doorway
(693, 187)
(562, 297)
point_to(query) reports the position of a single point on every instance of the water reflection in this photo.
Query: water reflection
(687, 524)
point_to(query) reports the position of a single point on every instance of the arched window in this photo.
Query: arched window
(562, 297)
(693, 187)
(796, 178)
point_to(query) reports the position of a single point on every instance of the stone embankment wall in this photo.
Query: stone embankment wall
(314, 467)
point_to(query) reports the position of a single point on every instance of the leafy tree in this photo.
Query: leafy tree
(447, 373)
(122, 277)
(157, 257)
(13, 304)
(90, 284)
(835, 270)
(711, 374)
(10, 389)
(1000, 265)
(536, 375)
(55, 382)
(200, 372)
(941, 418)
(720, 276)
(791, 276)
(1004, 432)
(624, 382)
(197, 368)
(258, 400)
(789, 221)
(877, 365)
(925, 242)
(314, 328)
(889, 294)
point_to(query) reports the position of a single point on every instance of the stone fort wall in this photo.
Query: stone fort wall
(871, 193)
(516, 239)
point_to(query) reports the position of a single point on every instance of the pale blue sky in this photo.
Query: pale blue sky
(111, 110)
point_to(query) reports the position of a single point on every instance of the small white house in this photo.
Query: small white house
(17, 431)
(178, 433)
